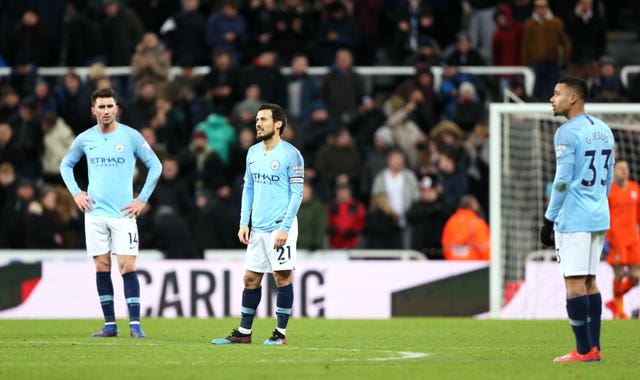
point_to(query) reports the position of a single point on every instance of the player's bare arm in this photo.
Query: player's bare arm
(83, 201)
(243, 234)
(133, 209)
(280, 239)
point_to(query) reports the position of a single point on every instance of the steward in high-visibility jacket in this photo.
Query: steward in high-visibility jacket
(466, 235)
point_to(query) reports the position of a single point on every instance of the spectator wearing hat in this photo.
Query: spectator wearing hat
(607, 87)
(468, 110)
(427, 217)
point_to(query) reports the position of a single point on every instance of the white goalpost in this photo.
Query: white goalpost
(522, 164)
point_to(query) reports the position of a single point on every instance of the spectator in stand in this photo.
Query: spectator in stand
(227, 30)
(477, 148)
(452, 174)
(363, 127)
(31, 38)
(238, 154)
(450, 81)
(9, 152)
(481, 25)
(447, 20)
(521, 10)
(172, 189)
(466, 234)
(506, 42)
(401, 186)
(338, 156)
(265, 72)
(81, 38)
(122, 30)
(313, 133)
(14, 214)
(587, 33)
(382, 230)
(57, 140)
(428, 53)
(312, 221)
(9, 102)
(261, 16)
(73, 102)
(222, 82)
(607, 87)
(294, 30)
(543, 40)
(342, 88)
(43, 98)
(28, 139)
(151, 61)
(221, 136)
(413, 19)
(186, 78)
(336, 30)
(71, 223)
(183, 33)
(201, 166)
(419, 91)
(427, 217)
(367, 15)
(172, 235)
(375, 159)
(345, 217)
(143, 108)
(468, 110)
(43, 229)
(302, 90)
(8, 186)
(24, 74)
(170, 124)
(244, 112)
(406, 133)
(464, 54)
(214, 221)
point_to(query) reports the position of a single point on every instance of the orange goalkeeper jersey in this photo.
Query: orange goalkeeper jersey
(624, 207)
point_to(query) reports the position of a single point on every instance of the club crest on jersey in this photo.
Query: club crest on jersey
(119, 147)
(275, 164)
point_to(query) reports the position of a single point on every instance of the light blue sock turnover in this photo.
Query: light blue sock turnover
(105, 292)
(578, 312)
(284, 304)
(132, 295)
(250, 301)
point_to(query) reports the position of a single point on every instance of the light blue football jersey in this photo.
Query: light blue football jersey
(273, 184)
(584, 172)
(111, 159)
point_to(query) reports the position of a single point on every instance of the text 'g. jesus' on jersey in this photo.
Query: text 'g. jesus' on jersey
(273, 184)
(584, 172)
(111, 159)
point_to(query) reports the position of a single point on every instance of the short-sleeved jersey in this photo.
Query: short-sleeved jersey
(111, 159)
(273, 184)
(584, 172)
(624, 206)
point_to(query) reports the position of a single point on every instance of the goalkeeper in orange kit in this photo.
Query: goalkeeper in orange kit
(623, 237)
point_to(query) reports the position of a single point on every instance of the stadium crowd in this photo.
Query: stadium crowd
(386, 167)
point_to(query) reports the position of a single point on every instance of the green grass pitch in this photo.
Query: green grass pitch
(399, 348)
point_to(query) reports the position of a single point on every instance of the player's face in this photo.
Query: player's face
(105, 110)
(561, 100)
(265, 125)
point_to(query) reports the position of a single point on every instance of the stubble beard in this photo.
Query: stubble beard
(266, 136)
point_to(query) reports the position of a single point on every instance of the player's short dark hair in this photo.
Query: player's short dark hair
(578, 85)
(103, 93)
(277, 113)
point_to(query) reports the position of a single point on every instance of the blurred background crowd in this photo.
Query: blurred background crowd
(388, 165)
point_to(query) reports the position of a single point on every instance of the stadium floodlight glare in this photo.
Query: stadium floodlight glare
(522, 163)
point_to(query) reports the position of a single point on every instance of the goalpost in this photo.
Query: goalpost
(522, 164)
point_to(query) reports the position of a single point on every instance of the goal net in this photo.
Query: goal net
(522, 162)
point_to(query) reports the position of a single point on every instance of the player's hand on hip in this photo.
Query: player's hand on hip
(280, 239)
(83, 201)
(133, 209)
(547, 236)
(243, 234)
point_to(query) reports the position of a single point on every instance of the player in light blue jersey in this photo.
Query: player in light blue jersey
(271, 196)
(577, 216)
(109, 206)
